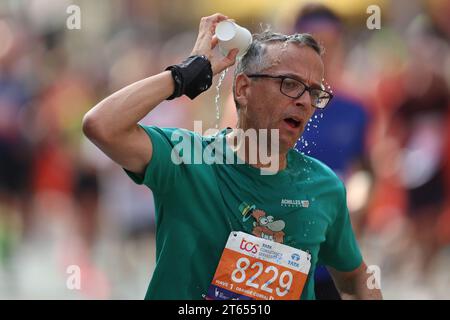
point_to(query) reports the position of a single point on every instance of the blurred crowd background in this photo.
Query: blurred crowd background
(63, 203)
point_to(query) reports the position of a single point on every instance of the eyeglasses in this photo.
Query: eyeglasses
(295, 88)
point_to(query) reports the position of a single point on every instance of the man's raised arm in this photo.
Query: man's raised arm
(112, 124)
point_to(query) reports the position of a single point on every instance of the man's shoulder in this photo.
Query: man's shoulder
(173, 135)
(176, 131)
(168, 131)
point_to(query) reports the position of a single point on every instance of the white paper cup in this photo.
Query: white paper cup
(232, 36)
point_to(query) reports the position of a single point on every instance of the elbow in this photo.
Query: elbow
(92, 127)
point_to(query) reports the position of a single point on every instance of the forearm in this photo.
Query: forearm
(362, 291)
(357, 284)
(121, 111)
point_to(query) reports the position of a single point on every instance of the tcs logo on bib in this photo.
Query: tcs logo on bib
(249, 246)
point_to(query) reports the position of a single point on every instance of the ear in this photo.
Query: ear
(242, 89)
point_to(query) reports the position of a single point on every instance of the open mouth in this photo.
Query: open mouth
(293, 123)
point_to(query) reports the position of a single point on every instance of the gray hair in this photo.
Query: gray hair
(255, 59)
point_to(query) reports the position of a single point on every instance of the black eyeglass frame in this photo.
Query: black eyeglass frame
(307, 88)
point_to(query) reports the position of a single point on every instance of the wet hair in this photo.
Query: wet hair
(256, 59)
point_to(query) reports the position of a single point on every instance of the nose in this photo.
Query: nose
(276, 226)
(304, 100)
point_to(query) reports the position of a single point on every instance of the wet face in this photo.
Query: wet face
(263, 106)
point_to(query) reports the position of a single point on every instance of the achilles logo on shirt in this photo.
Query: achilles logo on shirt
(294, 203)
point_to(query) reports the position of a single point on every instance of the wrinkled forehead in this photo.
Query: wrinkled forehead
(292, 57)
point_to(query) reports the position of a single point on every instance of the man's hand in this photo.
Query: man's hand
(207, 41)
(353, 284)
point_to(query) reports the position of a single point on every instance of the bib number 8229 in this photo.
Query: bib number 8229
(239, 275)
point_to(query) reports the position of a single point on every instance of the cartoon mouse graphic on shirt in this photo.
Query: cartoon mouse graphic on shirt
(266, 227)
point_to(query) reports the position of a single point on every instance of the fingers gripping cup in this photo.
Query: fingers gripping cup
(232, 36)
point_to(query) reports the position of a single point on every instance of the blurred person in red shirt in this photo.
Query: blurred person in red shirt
(420, 124)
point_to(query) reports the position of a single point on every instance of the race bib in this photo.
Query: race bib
(253, 268)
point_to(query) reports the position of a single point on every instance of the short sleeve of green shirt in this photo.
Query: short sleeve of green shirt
(161, 172)
(340, 250)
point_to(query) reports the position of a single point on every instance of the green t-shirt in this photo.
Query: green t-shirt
(198, 205)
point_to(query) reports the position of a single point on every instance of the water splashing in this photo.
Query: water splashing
(219, 83)
(311, 126)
